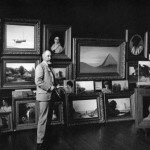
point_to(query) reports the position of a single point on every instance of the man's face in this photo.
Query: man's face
(47, 57)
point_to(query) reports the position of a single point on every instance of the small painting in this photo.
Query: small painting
(143, 73)
(84, 86)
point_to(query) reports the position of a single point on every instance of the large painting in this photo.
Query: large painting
(99, 59)
(21, 36)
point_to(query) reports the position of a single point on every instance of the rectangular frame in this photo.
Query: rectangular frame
(25, 79)
(23, 115)
(140, 109)
(143, 73)
(6, 121)
(112, 114)
(114, 60)
(131, 50)
(62, 71)
(17, 37)
(84, 86)
(64, 33)
(75, 117)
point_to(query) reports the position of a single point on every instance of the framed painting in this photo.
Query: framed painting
(132, 71)
(69, 86)
(19, 72)
(142, 108)
(84, 109)
(137, 45)
(143, 73)
(21, 36)
(120, 86)
(84, 86)
(25, 113)
(97, 59)
(118, 107)
(98, 85)
(6, 121)
(62, 71)
(58, 40)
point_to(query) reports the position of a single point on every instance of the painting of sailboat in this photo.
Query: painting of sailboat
(20, 36)
(99, 59)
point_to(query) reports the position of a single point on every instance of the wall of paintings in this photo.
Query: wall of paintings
(99, 74)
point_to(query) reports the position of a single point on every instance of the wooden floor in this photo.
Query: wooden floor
(110, 136)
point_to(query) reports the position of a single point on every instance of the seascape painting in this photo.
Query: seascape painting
(85, 109)
(94, 59)
(19, 36)
(20, 72)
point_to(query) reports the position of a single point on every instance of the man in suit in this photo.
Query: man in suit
(44, 80)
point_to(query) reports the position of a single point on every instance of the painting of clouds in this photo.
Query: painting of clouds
(96, 59)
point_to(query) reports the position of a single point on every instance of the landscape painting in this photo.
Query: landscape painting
(19, 73)
(85, 109)
(99, 59)
(118, 109)
(144, 73)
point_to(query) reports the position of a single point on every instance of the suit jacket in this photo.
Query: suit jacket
(44, 80)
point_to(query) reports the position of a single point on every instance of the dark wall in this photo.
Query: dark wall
(88, 18)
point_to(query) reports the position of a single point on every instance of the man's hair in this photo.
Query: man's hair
(43, 55)
(70, 83)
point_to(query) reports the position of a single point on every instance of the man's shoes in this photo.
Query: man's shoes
(41, 146)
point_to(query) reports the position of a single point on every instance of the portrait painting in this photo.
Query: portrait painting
(137, 45)
(105, 59)
(143, 73)
(58, 40)
(69, 86)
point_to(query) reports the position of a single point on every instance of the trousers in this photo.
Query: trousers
(42, 121)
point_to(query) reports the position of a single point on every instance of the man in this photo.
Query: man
(44, 80)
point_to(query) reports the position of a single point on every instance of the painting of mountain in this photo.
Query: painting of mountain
(109, 65)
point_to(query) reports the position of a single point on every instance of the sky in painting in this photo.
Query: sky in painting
(94, 55)
(27, 66)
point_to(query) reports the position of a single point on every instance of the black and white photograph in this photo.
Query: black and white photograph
(74, 75)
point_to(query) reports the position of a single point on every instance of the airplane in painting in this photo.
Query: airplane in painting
(19, 41)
